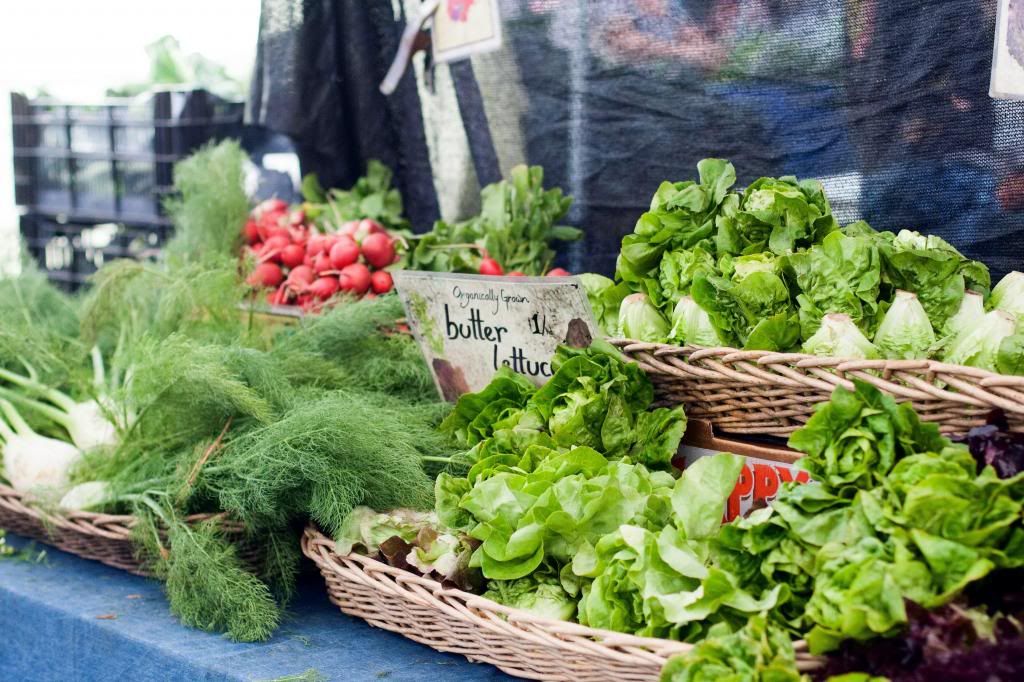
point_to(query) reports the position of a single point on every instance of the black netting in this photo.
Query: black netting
(885, 100)
(318, 67)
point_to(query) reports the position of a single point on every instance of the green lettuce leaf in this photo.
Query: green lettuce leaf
(737, 308)
(855, 439)
(840, 275)
(931, 268)
(757, 652)
(605, 298)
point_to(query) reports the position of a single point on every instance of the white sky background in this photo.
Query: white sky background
(76, 49)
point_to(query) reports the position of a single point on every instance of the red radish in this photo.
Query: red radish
(323, 288)
(298, 235)
(316, 244)
(321, 263)
(297, 217)
(256, 248)
(559, 272)
(292, 255)
(344, 253)
(272, 206)
(276, 231)
(378, 250)
(344, 282)
(349, 229)
(266, 275)
(278, 296)
(368, 226)
(381, 282)
(301, 275)
(276, 243)
(251, 231)
(360, 276)
(516, 273)
(489, 266)
(370, 295)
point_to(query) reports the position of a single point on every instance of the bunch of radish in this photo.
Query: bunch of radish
(489, 266)
(307, 268)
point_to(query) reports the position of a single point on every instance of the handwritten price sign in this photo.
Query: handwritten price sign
(470, 325)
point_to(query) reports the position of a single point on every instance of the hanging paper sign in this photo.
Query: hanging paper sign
(463, 28)
(1008, 57)
(470, 325)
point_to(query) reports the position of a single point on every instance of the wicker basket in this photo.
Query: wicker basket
(101, 537)
(482, 630)
(763, 392)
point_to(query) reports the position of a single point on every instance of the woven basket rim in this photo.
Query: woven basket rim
(620, 646)
(98, 524)
(807, 360)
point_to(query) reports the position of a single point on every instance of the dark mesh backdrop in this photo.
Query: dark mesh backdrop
(885, 100)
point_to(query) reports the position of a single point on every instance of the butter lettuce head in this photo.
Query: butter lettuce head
(905, 332)
(475, 414)
(855, 439)
(682, 215)
(641, 321)
(968, 315)
(605, 297)
(754, 313)
(758, 652)
(544, 512)
(540, 594)
(1008, 294)
(931, 268)
(842, 274)
(839, 337)
(980, 347)
(691, 325)
(677, 272)
(779, 215)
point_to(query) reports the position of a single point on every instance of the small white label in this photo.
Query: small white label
(463, 28)
(1008, 56)
(470, 325)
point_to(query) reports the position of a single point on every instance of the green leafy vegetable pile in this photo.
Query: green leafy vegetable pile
(371, 197)
(899, 518)
(516, 230)
(770, 268)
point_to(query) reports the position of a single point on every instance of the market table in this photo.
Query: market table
(65, 618)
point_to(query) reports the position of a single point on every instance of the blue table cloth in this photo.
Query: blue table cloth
(68, 619)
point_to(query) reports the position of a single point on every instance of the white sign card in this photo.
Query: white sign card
(465, 27)
(1008, 56)
(470, 325)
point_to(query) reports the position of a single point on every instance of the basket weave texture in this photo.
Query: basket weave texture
(515, 641)
(101, 537)
(762, 392)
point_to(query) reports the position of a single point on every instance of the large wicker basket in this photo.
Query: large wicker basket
(101, 537)
(482, 630)
(775, 393)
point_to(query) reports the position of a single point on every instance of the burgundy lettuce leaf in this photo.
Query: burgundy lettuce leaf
(993, 444)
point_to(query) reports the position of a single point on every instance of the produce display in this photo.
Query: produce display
(770, 268)
(345, 243)
(515, 234)
(159, 393)
(903, 533)
(338, 246)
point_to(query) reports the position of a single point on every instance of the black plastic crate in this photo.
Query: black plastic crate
(111, 161)
(69, 252)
